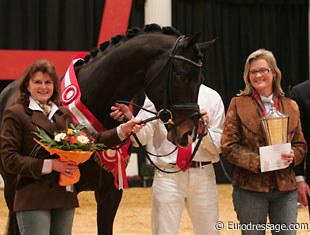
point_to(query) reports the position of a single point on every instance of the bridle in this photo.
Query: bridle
(165, 114)
(168, 103)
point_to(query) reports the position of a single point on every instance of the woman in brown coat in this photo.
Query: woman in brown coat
(42, 206)
(257, 194)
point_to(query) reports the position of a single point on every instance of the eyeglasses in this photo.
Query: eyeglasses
(261, 71)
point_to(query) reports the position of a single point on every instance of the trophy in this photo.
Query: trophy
(275, 125)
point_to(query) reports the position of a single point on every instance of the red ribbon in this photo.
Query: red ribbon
(183, 157)
(71, 98)
(261, 105)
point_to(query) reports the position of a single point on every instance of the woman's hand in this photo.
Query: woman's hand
(288, 158)
(67, 168)
(120, 112)
(303, 190)
(132, 126)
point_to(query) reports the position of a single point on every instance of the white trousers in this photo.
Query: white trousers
(196, 190)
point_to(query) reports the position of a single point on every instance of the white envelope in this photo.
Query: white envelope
(270, 156)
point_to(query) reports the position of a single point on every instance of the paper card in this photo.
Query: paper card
(270, 156)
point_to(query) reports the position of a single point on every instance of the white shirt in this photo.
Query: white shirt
(267, 102)
(33, 105)
(155, 134)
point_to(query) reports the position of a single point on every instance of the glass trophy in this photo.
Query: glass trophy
(275, 125)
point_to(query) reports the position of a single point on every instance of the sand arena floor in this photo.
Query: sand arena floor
(133, 216)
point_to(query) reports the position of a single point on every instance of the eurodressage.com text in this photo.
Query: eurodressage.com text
(230, 225)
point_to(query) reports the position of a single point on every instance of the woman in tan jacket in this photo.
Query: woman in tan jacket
(258, 194)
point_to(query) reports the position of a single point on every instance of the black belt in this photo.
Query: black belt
(196, 164)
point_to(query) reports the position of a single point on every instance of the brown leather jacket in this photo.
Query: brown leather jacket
(242, 137)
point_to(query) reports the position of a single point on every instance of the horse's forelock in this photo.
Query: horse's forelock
(198, 52)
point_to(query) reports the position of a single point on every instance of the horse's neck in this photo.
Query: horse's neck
(119, 74)
(99, 95)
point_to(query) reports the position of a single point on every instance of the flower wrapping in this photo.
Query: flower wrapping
(74, 145)
(64, 155)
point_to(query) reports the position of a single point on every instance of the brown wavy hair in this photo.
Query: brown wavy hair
(45, 67)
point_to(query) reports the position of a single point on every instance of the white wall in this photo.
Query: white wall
(158, 11)
(1, 182)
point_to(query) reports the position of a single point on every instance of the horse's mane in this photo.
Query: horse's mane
(118, 39)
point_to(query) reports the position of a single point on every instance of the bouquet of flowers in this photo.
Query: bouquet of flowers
(73, 145)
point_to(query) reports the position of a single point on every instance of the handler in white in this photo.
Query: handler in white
(196, 187)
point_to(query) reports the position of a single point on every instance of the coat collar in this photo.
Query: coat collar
(40, 120)
(248, 112)
(44, 122)
(33, 105)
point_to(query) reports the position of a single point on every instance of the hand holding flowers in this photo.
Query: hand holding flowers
(74, 139)
(73, 147)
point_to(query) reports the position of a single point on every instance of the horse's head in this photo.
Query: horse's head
(157, 59)
(180, 78)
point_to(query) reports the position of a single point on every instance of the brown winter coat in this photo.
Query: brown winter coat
(242, 137)
(34, 190)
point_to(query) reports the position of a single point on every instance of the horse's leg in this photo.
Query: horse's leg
(95, 178)
(108, 199)
(12, 226)
(9, 193)
(7, 97)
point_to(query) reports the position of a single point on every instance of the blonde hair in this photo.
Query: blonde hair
(271, 60)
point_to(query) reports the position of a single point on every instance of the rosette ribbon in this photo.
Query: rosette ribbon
(115, 161)
(71, 99)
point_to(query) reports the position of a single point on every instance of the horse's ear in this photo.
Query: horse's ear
(204, 46)
(193, 40)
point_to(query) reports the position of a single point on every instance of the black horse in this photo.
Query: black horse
(159, 60)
